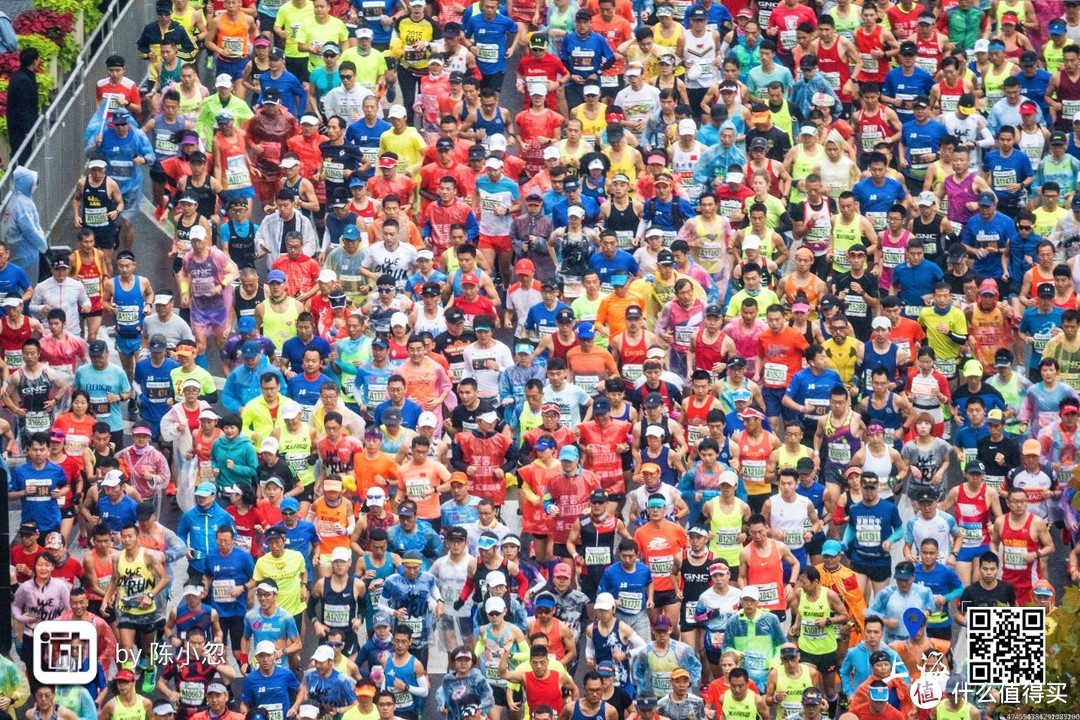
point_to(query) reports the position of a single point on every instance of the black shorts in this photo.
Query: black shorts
(663, 598)
(266, 23)
(177, 265)
(814, 546)
(68, 512)
(559, 550)
(307, 494)
(617, 498)
(92, 313)
(757, 502)
(140, 624)
(876, 573)
(106, 239)
(824, 663)
(493, 81)
(298, 67)
(500, 696)
(589, 584)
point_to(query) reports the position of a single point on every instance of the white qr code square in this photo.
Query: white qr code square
(1006, 645)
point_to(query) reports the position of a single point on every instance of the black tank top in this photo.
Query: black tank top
(96, 205)
(242, 247)
(339, 607)
(623, 223)
(930, 234)
(205, 196)
(480, 587)
(245, 307)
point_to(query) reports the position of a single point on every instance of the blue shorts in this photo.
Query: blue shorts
(774, 401)
(248, 193)
(132, 201)
(970, 554)
(128, 345)
(232, 68)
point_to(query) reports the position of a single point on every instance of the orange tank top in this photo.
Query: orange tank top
(555, 643)
(753, 459)
(103, 570)
(792, 288)
(232, 37)
(328, 520)
(767, 572)
(1038, 279)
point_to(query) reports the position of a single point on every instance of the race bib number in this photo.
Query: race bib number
(688, 613)
(1069, 108)
(596, 556)
(206, 470)
(96, 216)
(632, 372)
(768, 593)
(192, 693)
(753, 469)
(237, 174)
(336, 615)
(609, 81)
(840, 454)
(683, 333)
(38, 421)
(222, 590)
(334, 172)
(38, 488)
(418, 488)
(868, 536)
(487, 52)
(972, 533)
(274, 711)
(376, 394)
(631, 602)
(233, 47)
(661, 565)
(1013, 557)
(92, 286)
(776, 374)
(13, 359)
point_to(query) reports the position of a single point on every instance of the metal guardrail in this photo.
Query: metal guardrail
(55, 146)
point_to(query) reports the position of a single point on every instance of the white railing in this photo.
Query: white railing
(54, 149)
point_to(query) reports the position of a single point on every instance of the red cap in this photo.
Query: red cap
(524, 267)
(1028, 108)
(744, 13)
(469, 279)
(562, 570)
(125, 676)
(386, 163)
(1009, 17)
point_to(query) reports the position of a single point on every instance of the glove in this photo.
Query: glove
(458, 604)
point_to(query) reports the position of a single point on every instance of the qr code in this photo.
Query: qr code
(1007, 645)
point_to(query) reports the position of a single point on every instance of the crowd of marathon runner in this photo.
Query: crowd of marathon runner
(664, 395)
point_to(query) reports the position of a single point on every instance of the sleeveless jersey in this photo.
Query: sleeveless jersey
(11, 342)
(129, 308)
(753, 459)
(972, 514)
(135, 581)
(768, 574)
(90, 275)
(834, 69)
(725, 529)
(840, 443)
(96, 206)
(873, 70)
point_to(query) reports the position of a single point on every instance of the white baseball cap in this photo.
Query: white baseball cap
(927, 198)
(327, 276)
(397, 111)
(604, 601)
(687, 127)
(752, 242)
(399, 319)
(495, 604)
(427, 419)
(265, 647)
(496, 142)
(308, 711)
(197, 232)
(323, 653)
(223, 80)
(269, 445)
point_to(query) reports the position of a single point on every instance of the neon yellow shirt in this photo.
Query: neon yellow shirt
(331, 31)
(286, 571)
(293, 20)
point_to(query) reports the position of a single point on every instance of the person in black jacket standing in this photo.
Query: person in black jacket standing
(22, 100)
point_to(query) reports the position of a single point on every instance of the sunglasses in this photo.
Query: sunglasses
(347, 77)
(1025, 228)
(336, 644)
(386, 290)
